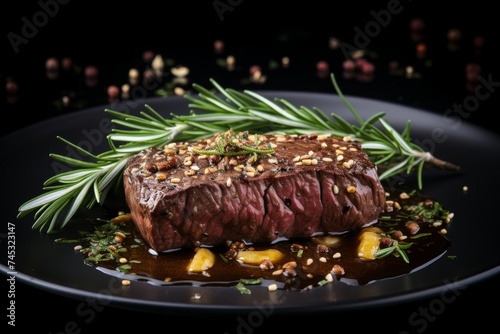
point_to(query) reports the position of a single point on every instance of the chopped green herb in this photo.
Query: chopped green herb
(420, 235)
(241, 286)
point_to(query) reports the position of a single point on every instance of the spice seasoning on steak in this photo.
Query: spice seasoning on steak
(251, 188)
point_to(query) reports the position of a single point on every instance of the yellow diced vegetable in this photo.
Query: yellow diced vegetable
(203, 260)
(369, 242)
(257, 257)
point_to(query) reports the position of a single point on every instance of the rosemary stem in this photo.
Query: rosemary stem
(435, 162)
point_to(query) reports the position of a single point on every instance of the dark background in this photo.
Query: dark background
(114, 35)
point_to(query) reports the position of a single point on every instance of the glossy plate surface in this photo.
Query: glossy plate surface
(59, 269)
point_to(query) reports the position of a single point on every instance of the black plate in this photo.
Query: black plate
(59, 269)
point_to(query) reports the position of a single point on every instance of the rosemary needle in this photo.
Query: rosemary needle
(214, 111)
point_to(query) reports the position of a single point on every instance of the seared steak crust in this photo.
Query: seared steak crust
(185, 196)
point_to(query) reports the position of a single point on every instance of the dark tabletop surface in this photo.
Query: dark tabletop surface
(437, 59)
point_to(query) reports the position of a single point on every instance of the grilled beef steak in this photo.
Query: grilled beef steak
(241, 187)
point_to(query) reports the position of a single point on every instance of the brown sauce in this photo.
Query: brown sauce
(312, 265)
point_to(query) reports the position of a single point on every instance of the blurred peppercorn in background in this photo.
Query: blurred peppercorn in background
(62, 56)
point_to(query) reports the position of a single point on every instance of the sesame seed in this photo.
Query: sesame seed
(126, 282)
(77, 248)
(340, 157)
(336, 255)
(273, 287)
(322, 259)
(335, 189)
(120, 234)
(175, 180)
(169, 151)
(123, 260)
(351, 189)
(309, 261)
(229, 182)
(327, 159)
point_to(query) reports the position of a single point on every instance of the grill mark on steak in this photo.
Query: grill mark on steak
(289, 197)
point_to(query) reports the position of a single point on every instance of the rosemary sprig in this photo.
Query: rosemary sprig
(395, 248)
(90, 181)
(231, 144)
